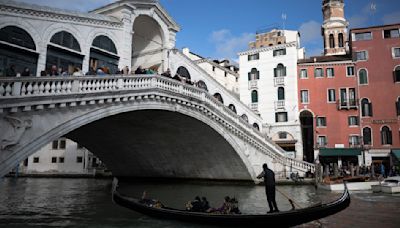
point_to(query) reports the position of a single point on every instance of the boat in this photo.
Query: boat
(389, 185)
(279, 219)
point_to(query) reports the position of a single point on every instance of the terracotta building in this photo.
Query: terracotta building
(376, 52)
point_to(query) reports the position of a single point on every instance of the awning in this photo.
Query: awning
(339, 152)
(396, 153)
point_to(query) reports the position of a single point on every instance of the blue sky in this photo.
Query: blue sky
(221, 28)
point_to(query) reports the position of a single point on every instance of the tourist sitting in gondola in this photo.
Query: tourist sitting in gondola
(226, 207)
(150, 202)
(195, 205)
(205, 205)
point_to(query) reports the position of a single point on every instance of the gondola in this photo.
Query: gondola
(278, 219)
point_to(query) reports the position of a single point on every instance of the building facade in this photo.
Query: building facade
(268, 84)
(61, 157)
(376, 52)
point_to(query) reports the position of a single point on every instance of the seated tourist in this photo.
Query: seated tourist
(195, 205)
(205, 205)
(140, 70)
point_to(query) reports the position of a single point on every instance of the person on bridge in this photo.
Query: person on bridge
(269, 181)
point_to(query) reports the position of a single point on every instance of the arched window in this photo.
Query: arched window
(367, 136)
(255, 125)
(219, 97)
(341, 40)
(245, 118)
(202, 85)
(396, 74)
(331, 41)
(254, 74)
(104, 54)
(17, 51)
(398, 106)
(363, 77)
(66, 39)
(386, 136)
(280, 70)
(183, 72)
(281, 93)
(366, 107)
(232, 107)
(254, 96)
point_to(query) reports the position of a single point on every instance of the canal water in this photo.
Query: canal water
(41, 202)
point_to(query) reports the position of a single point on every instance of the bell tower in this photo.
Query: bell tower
(335, 28)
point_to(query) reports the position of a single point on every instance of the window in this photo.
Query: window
(255, 125)
(321, 121)
(354, 140)
(280, 70)
(281, 93)
(254, 96)
(58, 144)
(341, 40)
(318, 73)
(304, 96)
(322, 142)
(363, 36)
(282, 135)
(279, 52)
(398, 106)
(330, 72)
(350, 71)
(353, 121)
(253, 57)
(54, 160)
(36, 160)
(391, 33)
(348, 98)
(386, 136)
(367, 136)
(361, 55)
(396, 53)
(331, 95)
(17, 36)
(366, 107)
(232, 107)
(331, 41)
(79, 159)
(281, 117)
(61, 160)
(396, 74)
(363, 77)
(245, 118)
(213, 68)
(303, 73)
(66, 39)
(254, 74)
(105, 43)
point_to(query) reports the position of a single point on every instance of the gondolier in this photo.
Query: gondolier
(269, 181)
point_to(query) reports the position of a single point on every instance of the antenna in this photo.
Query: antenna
(373, 11)
(284, 17)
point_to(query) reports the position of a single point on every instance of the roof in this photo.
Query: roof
(328, 58)
(333, 152)
(376, 26)
(28, 6)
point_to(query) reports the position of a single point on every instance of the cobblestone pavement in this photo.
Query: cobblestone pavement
(367, 210)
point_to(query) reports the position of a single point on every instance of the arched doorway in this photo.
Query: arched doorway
(104, 54)
(17, 48)
(64, 52)
(307, 134)
(147, 43)
(183, 72)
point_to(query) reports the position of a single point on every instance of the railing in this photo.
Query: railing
(279, 81)
(347, 104)
(253, 84)
(279, 105)
(51, 88)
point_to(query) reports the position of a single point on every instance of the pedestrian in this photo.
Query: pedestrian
(10, 72)
(77, 72)
(269, 181)
(383, 170)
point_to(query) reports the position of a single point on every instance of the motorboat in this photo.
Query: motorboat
(389, 185)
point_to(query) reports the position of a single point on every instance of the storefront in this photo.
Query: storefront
(340, 156)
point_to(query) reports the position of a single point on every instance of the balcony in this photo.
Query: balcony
(279, 81)
(280, 105)
(348, 104)
(253, 84)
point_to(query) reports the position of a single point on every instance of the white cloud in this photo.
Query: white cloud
(391, 18)
(310, 32)
(76, 5)
(227, 45)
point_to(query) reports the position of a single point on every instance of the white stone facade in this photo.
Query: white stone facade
(264, 87)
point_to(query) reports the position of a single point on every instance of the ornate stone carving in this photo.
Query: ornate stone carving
(13, 131)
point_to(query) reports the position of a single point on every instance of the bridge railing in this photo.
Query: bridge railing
(24, 87)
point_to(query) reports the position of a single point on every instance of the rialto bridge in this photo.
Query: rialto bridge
(139, 125)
